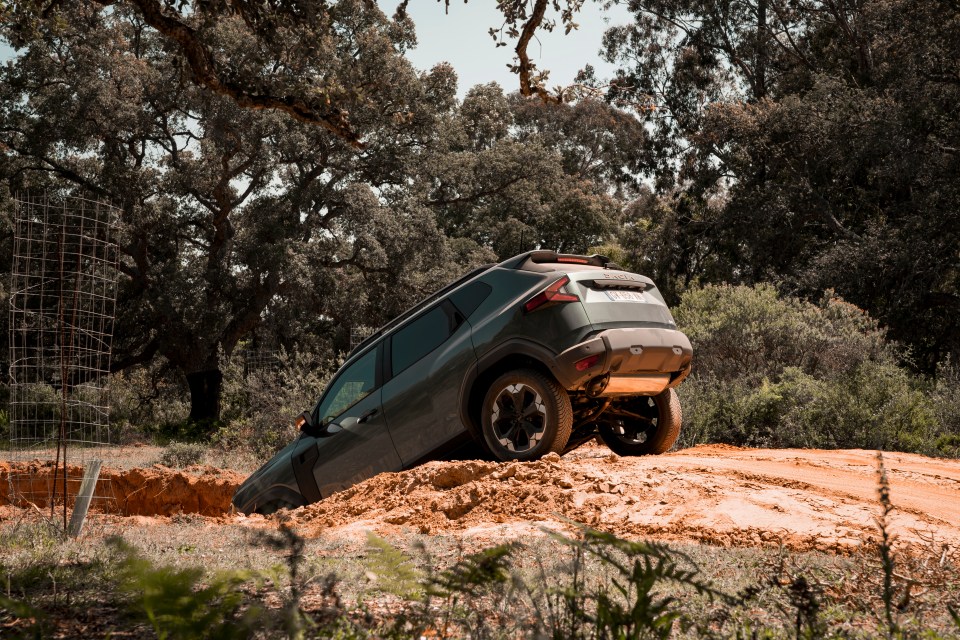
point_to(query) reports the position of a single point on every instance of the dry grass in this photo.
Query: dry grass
(69, 578)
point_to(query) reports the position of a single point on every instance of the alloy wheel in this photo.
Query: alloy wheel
(519, 417)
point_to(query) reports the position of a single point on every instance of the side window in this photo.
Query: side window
(351, 386)
(470, 297)
(419, 338)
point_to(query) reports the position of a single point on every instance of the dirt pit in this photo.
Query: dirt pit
(152, 491)
(803, 499)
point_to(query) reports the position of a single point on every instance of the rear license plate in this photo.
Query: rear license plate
(625, 296)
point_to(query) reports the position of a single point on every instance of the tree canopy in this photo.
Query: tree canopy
(285, 174)
(812, 144)
(238, 221)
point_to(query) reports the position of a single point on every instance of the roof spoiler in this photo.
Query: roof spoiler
(552, 257)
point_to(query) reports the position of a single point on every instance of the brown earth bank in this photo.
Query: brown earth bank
(152, 491)
(803, 499)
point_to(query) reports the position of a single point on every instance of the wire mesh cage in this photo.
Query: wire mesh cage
(261, 361)
(62, 309)
(360, 333)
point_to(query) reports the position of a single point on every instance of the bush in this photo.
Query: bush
(752, 333)
(262, 399)
(946, 404)
(182, 454)
(772, 371)
(148, 403)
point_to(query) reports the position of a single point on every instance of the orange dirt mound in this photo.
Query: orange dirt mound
(152, 491)
(804, 499)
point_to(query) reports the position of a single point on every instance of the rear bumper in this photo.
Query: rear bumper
(641, 361)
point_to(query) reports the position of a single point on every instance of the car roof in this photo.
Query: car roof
(537, 260)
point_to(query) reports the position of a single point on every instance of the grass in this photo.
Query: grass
(189, 576)
(553, 585)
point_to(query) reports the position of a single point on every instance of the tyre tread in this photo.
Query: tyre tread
(669, 420)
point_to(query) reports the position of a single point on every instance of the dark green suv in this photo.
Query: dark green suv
(539, 353)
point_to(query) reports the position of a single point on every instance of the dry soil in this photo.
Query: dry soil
(803, 499)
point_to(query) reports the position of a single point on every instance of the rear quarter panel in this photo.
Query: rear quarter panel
(501, 317)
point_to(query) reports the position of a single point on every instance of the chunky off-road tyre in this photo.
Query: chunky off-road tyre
(652, 428)
(525, 415)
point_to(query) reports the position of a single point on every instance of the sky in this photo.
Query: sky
(461, 38)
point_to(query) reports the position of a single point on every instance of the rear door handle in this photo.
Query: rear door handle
(366, 416)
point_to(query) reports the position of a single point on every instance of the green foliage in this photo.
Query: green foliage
(793, 148)
(148, 403)
(182, 454)
(945, 396)
(633, 605)
(393, 570)
(611, 588)
(510, 175)
(475, 573)
(232, 220)
(752, 333)
(4, 428)
(775, 371)
(18, 610)
(261, 403)
(187, 603)
(43, 573)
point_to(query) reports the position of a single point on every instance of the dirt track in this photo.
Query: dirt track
(804, 499)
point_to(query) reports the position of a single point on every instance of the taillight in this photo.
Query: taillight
(550, 295)
(586, 363)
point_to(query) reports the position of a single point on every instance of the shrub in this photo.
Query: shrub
(187, 603)
(772, 371)
(945, 395)
(182, 454)
(147, 403)
(752, 333)
(261, 402)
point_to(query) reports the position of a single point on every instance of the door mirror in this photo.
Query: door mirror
(305, 421)
(349, 421)
(333, 428)
(305, 424)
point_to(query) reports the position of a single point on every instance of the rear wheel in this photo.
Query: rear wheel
(525, 415)
(643, 425)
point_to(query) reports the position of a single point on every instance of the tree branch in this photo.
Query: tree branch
(206, 73)
(525, 67)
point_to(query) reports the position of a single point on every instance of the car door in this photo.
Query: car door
(355, 444)
(426, 361)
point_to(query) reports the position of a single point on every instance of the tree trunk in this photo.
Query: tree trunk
(205, 395)
(760, 66)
